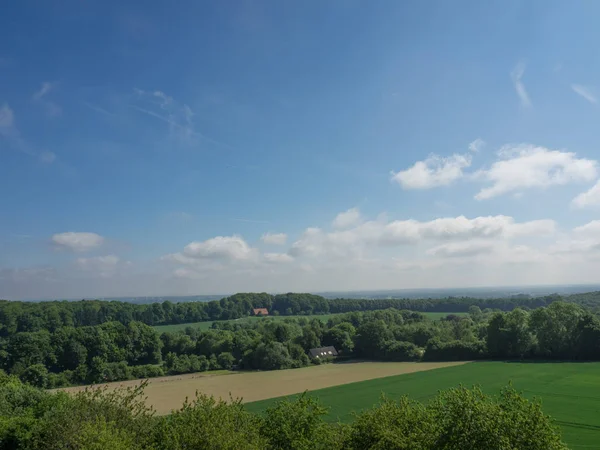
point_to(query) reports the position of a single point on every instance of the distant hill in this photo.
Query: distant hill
(484, 292)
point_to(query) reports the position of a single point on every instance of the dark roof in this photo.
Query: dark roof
(323, 352)
(263, 311)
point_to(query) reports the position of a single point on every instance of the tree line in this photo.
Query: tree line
(16, 317)
(113, 351)
(460, 418)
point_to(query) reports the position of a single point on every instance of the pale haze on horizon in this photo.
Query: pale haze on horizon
(215, 147)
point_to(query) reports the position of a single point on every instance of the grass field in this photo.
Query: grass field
(168, 393)
(323, 317)
(570, 392)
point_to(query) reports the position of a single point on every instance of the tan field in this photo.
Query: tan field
(168, 393)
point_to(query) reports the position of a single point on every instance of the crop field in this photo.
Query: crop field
(168, 393)
(323, 317)
(570, 392)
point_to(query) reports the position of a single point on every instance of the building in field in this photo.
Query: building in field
(260, 312)
(323, 352)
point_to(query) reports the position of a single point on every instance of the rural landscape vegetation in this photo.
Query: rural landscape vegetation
(298, 225)
(515, 359)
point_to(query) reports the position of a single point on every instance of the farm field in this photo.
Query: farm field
(168, 393)
(323, 317)
(570, 392)
(208, 324)
(439, 315)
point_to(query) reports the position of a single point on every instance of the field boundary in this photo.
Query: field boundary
(168, 393)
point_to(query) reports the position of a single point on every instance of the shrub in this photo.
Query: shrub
(298, 425)
(99, 414)
(404, 424)
(456, 419)
(454, 350)
(401, 351)
(206, 423)
(226, 360)
(36, 375)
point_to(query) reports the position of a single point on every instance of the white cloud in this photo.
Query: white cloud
(476, 145)
(462, 249)
(584, 241)
(77, 241)
(589, 229)
(223, 254)
(543, 227)
(221, 247)
(516, 75)
(179, 258)
(589, 198)
(314, 242)
(103, 266)
(186, 272)
(484, 227)
(433, 172)
(274, 238)
(585, 92)
(277, 257)
(374, 254)
(527, 166)
(573, 247)
(347, 219)
(310, 243)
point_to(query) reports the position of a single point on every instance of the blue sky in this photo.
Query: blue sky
(210, 148)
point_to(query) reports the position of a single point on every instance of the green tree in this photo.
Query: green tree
(467, 418)
(308, 339)
(206, 423)
(298, 425)
(393, 425)
(556, 328)
(371, 338)
(36, 375)
(226, 360)
(270, 356)
(341, 338)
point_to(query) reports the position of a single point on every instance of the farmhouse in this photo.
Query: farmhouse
(260, 312)
(323, 352)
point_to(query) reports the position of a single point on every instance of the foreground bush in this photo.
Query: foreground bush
(98, 419)
(296, 424)
(206, 423)
(456, 419)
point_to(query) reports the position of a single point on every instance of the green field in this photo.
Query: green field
(570, 392)
(439, 315)
(323, 317)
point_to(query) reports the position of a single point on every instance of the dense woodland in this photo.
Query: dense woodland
(33, 419)
(36, 316)
(66, 355)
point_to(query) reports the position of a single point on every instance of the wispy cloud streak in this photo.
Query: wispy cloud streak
(178, 116)
(585, 92)
(52, 109)
(98, 109)
(516, 75)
